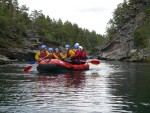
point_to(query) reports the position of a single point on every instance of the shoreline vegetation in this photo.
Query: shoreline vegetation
(126, 38)
(21, 33)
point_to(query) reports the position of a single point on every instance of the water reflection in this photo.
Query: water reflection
(130, 86)
(74, 79)
(107, 88)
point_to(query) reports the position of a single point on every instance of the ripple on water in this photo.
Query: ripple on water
(105, 88)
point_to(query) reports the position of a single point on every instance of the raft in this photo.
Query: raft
(53, 65)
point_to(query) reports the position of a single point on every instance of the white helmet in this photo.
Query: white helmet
(81, 47)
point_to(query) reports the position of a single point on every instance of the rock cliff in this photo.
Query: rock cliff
(24, 51)
(122, 46)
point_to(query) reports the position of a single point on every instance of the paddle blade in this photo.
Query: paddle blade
(32, 62)
(26, 69)
(94, 61)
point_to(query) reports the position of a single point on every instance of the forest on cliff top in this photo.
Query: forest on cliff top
(17, 23)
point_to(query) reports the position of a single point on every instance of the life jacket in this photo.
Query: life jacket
(42, 54)
(84, 55)
(51, 55)
(68, 55)
(58, 55)
(78, 54)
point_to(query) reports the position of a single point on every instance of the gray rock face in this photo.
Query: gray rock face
(122, 46)
(12, 55)
(26, 51)
(5, 60)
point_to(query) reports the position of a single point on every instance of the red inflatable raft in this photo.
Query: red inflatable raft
(59, 65)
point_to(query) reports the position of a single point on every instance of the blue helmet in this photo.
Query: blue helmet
(76, 46)
(56, 49)
(50, 49)
(67, 46)
(43, 47)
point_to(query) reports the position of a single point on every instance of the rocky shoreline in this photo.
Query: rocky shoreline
(8, 56)
(25, 51)
(5, 60)
(135, 56)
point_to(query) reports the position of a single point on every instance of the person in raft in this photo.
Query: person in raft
(70, 54)
(83, 55)
(77, 44)
(43, 53)
(78, 54)
(77, 51)
(58, 53)
(51, 54)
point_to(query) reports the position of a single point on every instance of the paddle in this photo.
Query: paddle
(32, 62)
(26, 69)
(93, 61)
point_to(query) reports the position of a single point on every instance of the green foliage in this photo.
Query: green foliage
(135, 54)
(110, 32)
(125, 12)
(118, 19)
(148, 10)
(148, 60)
(4, 23)
(118, 15)
(15, 21)
(139, 37)
(3, 43)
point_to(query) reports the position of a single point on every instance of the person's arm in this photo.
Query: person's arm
(61, 55)
(37, 56)
(72, 53)
(64, 56)
(55, 56)
(47, 54)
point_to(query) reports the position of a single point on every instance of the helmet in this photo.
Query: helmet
(50, 49)
(67, 46)
(43, 47)
(81, 47)
(76, 46)
(56, 49)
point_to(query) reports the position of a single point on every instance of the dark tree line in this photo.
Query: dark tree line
(15, 21)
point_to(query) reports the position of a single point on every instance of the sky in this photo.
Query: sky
(88, 14)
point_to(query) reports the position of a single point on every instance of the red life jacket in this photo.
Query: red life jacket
(68, 55)
(58, 55)
(42, 54)
(84, 55)
(78, 54)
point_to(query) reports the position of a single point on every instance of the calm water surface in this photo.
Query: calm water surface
(111, 87)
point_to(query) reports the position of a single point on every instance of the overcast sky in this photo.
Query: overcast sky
(89, 14)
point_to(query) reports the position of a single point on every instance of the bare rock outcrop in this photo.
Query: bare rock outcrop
(122, 47)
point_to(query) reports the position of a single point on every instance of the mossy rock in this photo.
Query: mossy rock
(135, 54)
(148, 60)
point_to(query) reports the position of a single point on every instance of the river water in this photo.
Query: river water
(111, 87)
